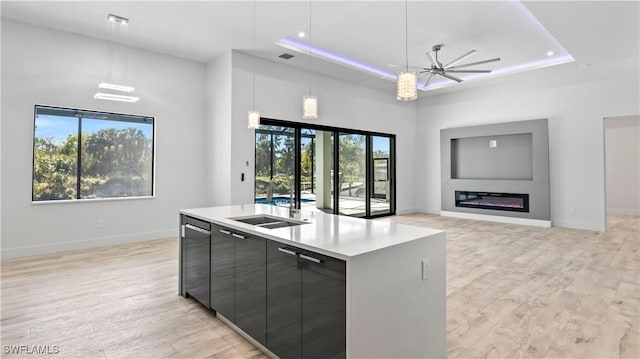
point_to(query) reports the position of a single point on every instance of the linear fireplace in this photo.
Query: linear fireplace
(518, 202)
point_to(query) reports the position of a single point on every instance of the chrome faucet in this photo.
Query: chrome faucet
(292, 210)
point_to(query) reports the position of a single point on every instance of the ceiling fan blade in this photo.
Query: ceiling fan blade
(470, 71)
(432, 59)
(427, 82)
(460, 59)
(474, 63)
(456, 79)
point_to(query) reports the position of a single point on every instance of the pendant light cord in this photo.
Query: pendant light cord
(406, 34)
(254, 56)
(116, 51)
(110, 51)
(309, 48)
(124, 29)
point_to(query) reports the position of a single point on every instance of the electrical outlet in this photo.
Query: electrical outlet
(493, 143)
(572, 210)
(425, 268)
(100, 224)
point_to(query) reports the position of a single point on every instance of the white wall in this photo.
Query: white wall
(44, 66)
(279, 92)
(622, 152)
(575, 102)
(218, 131)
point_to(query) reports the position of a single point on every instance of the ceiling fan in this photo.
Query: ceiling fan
(451, 68)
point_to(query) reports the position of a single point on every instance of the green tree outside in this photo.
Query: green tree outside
(115, 163)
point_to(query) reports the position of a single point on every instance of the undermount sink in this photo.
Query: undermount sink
(269, 222)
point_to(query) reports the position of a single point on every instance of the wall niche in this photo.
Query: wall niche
(508, 157)
(494, 160)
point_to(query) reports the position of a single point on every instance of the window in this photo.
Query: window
(80, 154)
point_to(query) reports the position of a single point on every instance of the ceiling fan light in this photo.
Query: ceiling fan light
(407, 89)
(309, 107)
(253, 119)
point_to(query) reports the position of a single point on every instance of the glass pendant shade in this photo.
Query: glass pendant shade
(253, 119)
(407, 86)
(310, 107)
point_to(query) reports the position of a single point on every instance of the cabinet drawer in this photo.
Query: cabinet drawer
(196, 222)
(325, 265)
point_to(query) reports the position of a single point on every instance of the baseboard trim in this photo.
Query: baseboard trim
(425, 210)
(485, 217)
(625, 211)
(588, 226)
(401, 212)
(25, 251)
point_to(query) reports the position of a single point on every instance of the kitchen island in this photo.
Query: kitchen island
(317, 285)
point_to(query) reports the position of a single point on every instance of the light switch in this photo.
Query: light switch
(425, 268)
(493, 143)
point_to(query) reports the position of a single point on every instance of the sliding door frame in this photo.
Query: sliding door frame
(336, 131)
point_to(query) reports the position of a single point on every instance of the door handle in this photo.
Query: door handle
(287, 251)
(238, 236)
(311, 259)
(198, 229)
(224, 232)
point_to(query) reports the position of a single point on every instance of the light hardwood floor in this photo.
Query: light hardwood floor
(512, 291)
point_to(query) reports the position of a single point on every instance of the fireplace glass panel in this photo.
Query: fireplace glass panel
(518, 202)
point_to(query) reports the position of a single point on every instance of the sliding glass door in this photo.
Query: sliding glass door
(335, 170)
(275, 155)
(316, 169)
(352, 175)
(381, 175)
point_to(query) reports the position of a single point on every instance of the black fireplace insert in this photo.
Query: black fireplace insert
(518, 202)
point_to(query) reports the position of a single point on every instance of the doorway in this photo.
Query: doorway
(622, 166)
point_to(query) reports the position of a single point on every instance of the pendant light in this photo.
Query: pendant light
(117, 25)
(407, 89)
(253, 117)
(309, 102)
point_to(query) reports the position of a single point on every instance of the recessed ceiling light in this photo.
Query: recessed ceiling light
(301, 34)
(549, 53)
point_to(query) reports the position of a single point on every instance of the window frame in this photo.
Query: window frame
(79, 199)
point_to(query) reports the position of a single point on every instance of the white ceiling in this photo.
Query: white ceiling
(371, 32)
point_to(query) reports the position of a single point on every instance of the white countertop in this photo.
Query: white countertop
(341, 237)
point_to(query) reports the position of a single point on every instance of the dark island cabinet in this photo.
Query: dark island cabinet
(238, 280)
(306, 303)
(223, 272)
(291, 300)
(195, 261)
(284, 301)
(251, 285)
(324, 313)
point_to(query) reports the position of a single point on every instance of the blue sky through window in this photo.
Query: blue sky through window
(58, 128)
